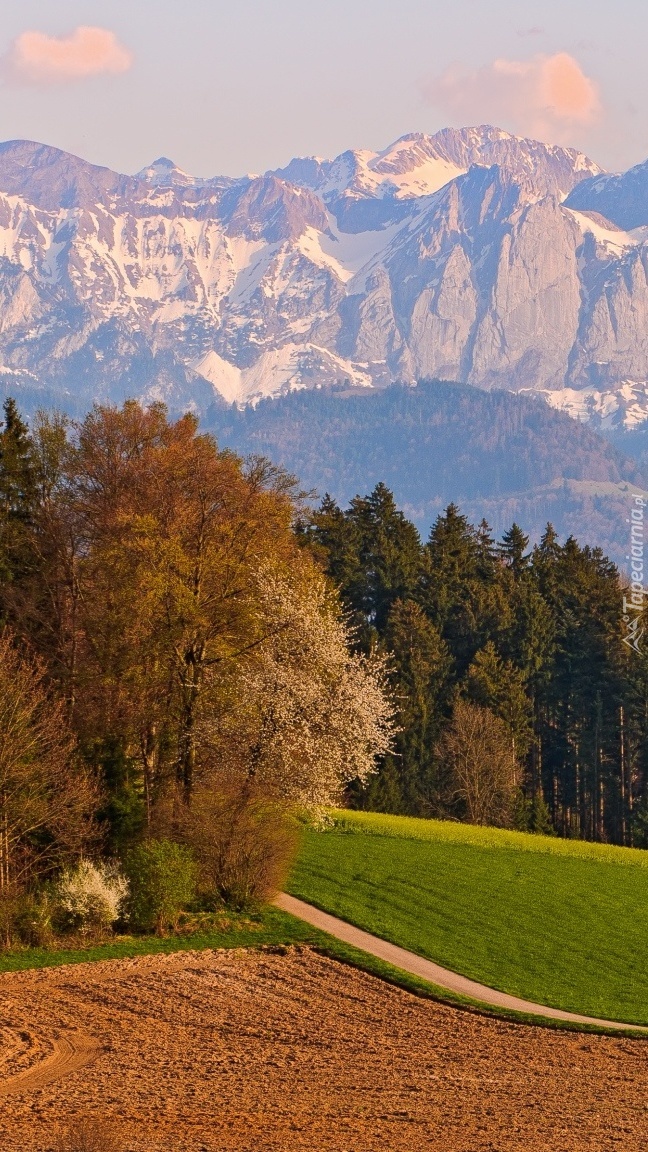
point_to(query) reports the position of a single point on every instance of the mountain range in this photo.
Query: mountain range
(471, 255)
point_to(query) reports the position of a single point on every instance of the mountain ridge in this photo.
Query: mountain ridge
(470, 254)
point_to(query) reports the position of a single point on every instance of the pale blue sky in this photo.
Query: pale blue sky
(244, 86)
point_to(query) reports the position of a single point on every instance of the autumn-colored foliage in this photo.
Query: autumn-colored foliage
(183, 637)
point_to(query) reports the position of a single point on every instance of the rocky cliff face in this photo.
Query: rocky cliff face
(471, 255)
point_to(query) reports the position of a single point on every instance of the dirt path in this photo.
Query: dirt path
(419, 966)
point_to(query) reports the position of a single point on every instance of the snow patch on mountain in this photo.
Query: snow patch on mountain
(453, 256)
(606, 233)
(346, 253)
(623, 407)
(279, 370)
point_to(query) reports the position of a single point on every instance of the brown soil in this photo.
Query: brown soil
(254, 1051)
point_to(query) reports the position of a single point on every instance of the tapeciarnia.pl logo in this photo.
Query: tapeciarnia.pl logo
(633, 605)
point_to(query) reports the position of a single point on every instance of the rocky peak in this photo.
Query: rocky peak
(50, 178)
(271, 209)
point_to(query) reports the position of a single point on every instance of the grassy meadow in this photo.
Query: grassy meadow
(564, 923)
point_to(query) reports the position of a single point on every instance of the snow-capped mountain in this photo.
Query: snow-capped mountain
(622, 198)
(470, 255)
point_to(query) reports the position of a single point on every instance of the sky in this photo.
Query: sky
(243, 86)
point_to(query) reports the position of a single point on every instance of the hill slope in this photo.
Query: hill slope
(557, 922)
(497, 454)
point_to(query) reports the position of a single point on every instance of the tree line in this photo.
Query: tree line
(495, 645)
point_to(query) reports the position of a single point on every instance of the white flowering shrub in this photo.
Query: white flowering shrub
(91, 896)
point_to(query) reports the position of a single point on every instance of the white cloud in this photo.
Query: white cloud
(544, 96)
(38, 59)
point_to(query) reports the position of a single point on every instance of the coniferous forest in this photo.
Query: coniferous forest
(475, 629)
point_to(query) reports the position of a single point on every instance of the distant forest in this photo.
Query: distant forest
(533, 636)
(504, 456)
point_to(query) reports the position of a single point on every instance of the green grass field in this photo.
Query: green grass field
(559, 922)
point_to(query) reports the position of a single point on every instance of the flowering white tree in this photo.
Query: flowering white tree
(91, 895)
(310, 715)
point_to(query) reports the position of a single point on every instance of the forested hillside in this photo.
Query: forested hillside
(501, 455)
(519, 701)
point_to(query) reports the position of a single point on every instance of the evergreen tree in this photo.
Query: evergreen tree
(389, 552)
(461, 586)
(332, 536)
(513, 550)
(18, 499)
(421, 679)
(579, 701)
(498, 685)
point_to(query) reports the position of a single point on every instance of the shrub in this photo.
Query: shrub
(8, 909)
(162, 877)
(33, 920)
(90, 897)
(86, 1134)
(244, 840)
(25, 918)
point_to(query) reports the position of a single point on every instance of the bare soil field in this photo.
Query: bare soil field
(247, 1051)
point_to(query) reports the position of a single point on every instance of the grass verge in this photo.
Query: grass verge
(268, 927)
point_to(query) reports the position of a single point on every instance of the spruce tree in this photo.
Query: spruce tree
(389, 551)
(421, 679)
(513, 550)
(18, 497)
(498, 685)
(461, 586)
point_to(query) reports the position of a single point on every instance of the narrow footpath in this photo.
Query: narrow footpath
(428, 970)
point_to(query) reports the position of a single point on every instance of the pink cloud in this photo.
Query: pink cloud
(36, 58)
(544, 96)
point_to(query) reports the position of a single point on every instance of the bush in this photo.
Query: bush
(245, 842)
(25, 918)
(90, 897)
(33, 920)
(9, 903)
(86, 1134)
(162, 877)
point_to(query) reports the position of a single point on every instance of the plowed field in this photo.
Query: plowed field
(231, 1051)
